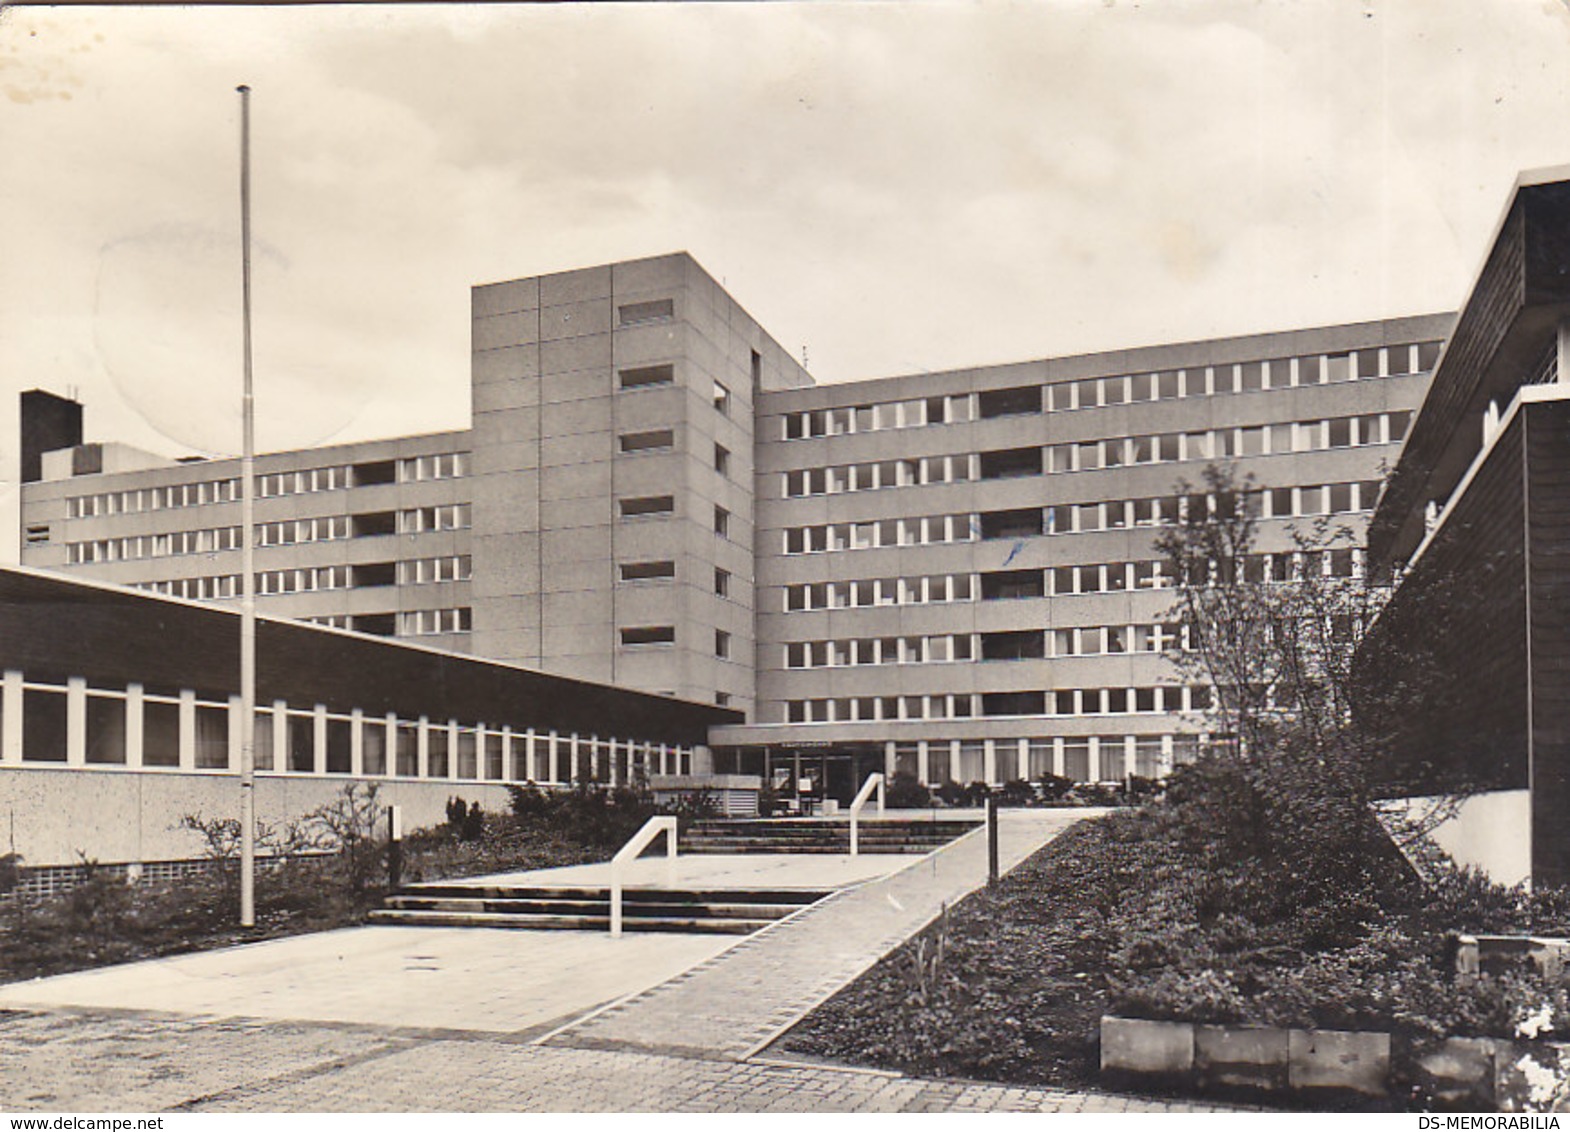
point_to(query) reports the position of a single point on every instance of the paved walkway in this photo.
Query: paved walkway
(687, 1045)
(97, 1062)
(736, 1003)
(492, 980)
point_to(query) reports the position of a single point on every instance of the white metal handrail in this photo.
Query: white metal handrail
(874, 782)
(629, 852)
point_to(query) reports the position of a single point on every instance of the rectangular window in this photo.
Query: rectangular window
(105, 730)
(44, 725)
(647, 571)
(648, 441)
(722, 459)
(1009, 584)
(649, 635)
(1010, 463)
(721, 644)
(642, 377)
(721, 399)
(722, 522)
(1023, 523)
(648, 505)
(1015, 645)
(721, 582)
(1018, 401)
(659, 310)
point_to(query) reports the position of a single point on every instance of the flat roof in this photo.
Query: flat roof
(53, 627)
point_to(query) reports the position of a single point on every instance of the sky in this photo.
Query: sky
(887, 187)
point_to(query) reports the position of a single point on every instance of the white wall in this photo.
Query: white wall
(1491, 832)
(55, 816)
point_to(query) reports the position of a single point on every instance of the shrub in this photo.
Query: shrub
(1017, 792)
(951, 794)
(350, 826)
(906, 792)
(1053, 787)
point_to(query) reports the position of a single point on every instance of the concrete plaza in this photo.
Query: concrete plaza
(431, 1019)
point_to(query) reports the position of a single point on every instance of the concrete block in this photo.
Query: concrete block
(1133, 1045)
(1251, 1056)
(1355, 1060)
(1494, 954)
(1458, 1073)
(1532, 1077)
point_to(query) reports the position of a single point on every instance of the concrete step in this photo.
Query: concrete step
(538, 922)
(588, 908)
(793, 896)
(641, 909)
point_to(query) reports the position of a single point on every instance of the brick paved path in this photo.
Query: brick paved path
(94, 1062)
(735, 1003)
(680, 1047)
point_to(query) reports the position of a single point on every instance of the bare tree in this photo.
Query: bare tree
(1273, 636)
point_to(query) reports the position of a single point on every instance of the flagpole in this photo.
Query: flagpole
(247, 547)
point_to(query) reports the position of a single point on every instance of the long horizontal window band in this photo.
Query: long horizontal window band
(862, 592)
(647, 505)
(652, 440)
(1061, 702)
(1003, 645)
(142, 730)
(656, 310)
(431, 622)
(1094, 455)
(364, 575)
(649, 635)
(1204, 380)
(1073, 518)
(647, 571)
(643, 377)
(1083, 758)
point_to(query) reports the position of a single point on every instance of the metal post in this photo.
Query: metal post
(394, 848)
(247, 547)
(992, 839)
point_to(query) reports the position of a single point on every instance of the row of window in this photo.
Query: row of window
(183, 732)
(409, 572)
(1093, 455)
(1054, 581)
(1072, 518)
(209, 541)
(1100, 392)
(1058, 702)
(428, 622)
(879, 591)
(1095, 758)
(1021, 644)
(414, 469)
(288, 532)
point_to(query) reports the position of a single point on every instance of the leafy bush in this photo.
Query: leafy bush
(1017, 792)
(591, 816)
(1053, 787)
(906, 792)
(465, 821)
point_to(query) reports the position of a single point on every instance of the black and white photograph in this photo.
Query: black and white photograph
(815, 556)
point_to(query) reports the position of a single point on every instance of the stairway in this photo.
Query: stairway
(588, 909)
(796, 835)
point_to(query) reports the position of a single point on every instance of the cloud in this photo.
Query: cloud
(900, 187)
